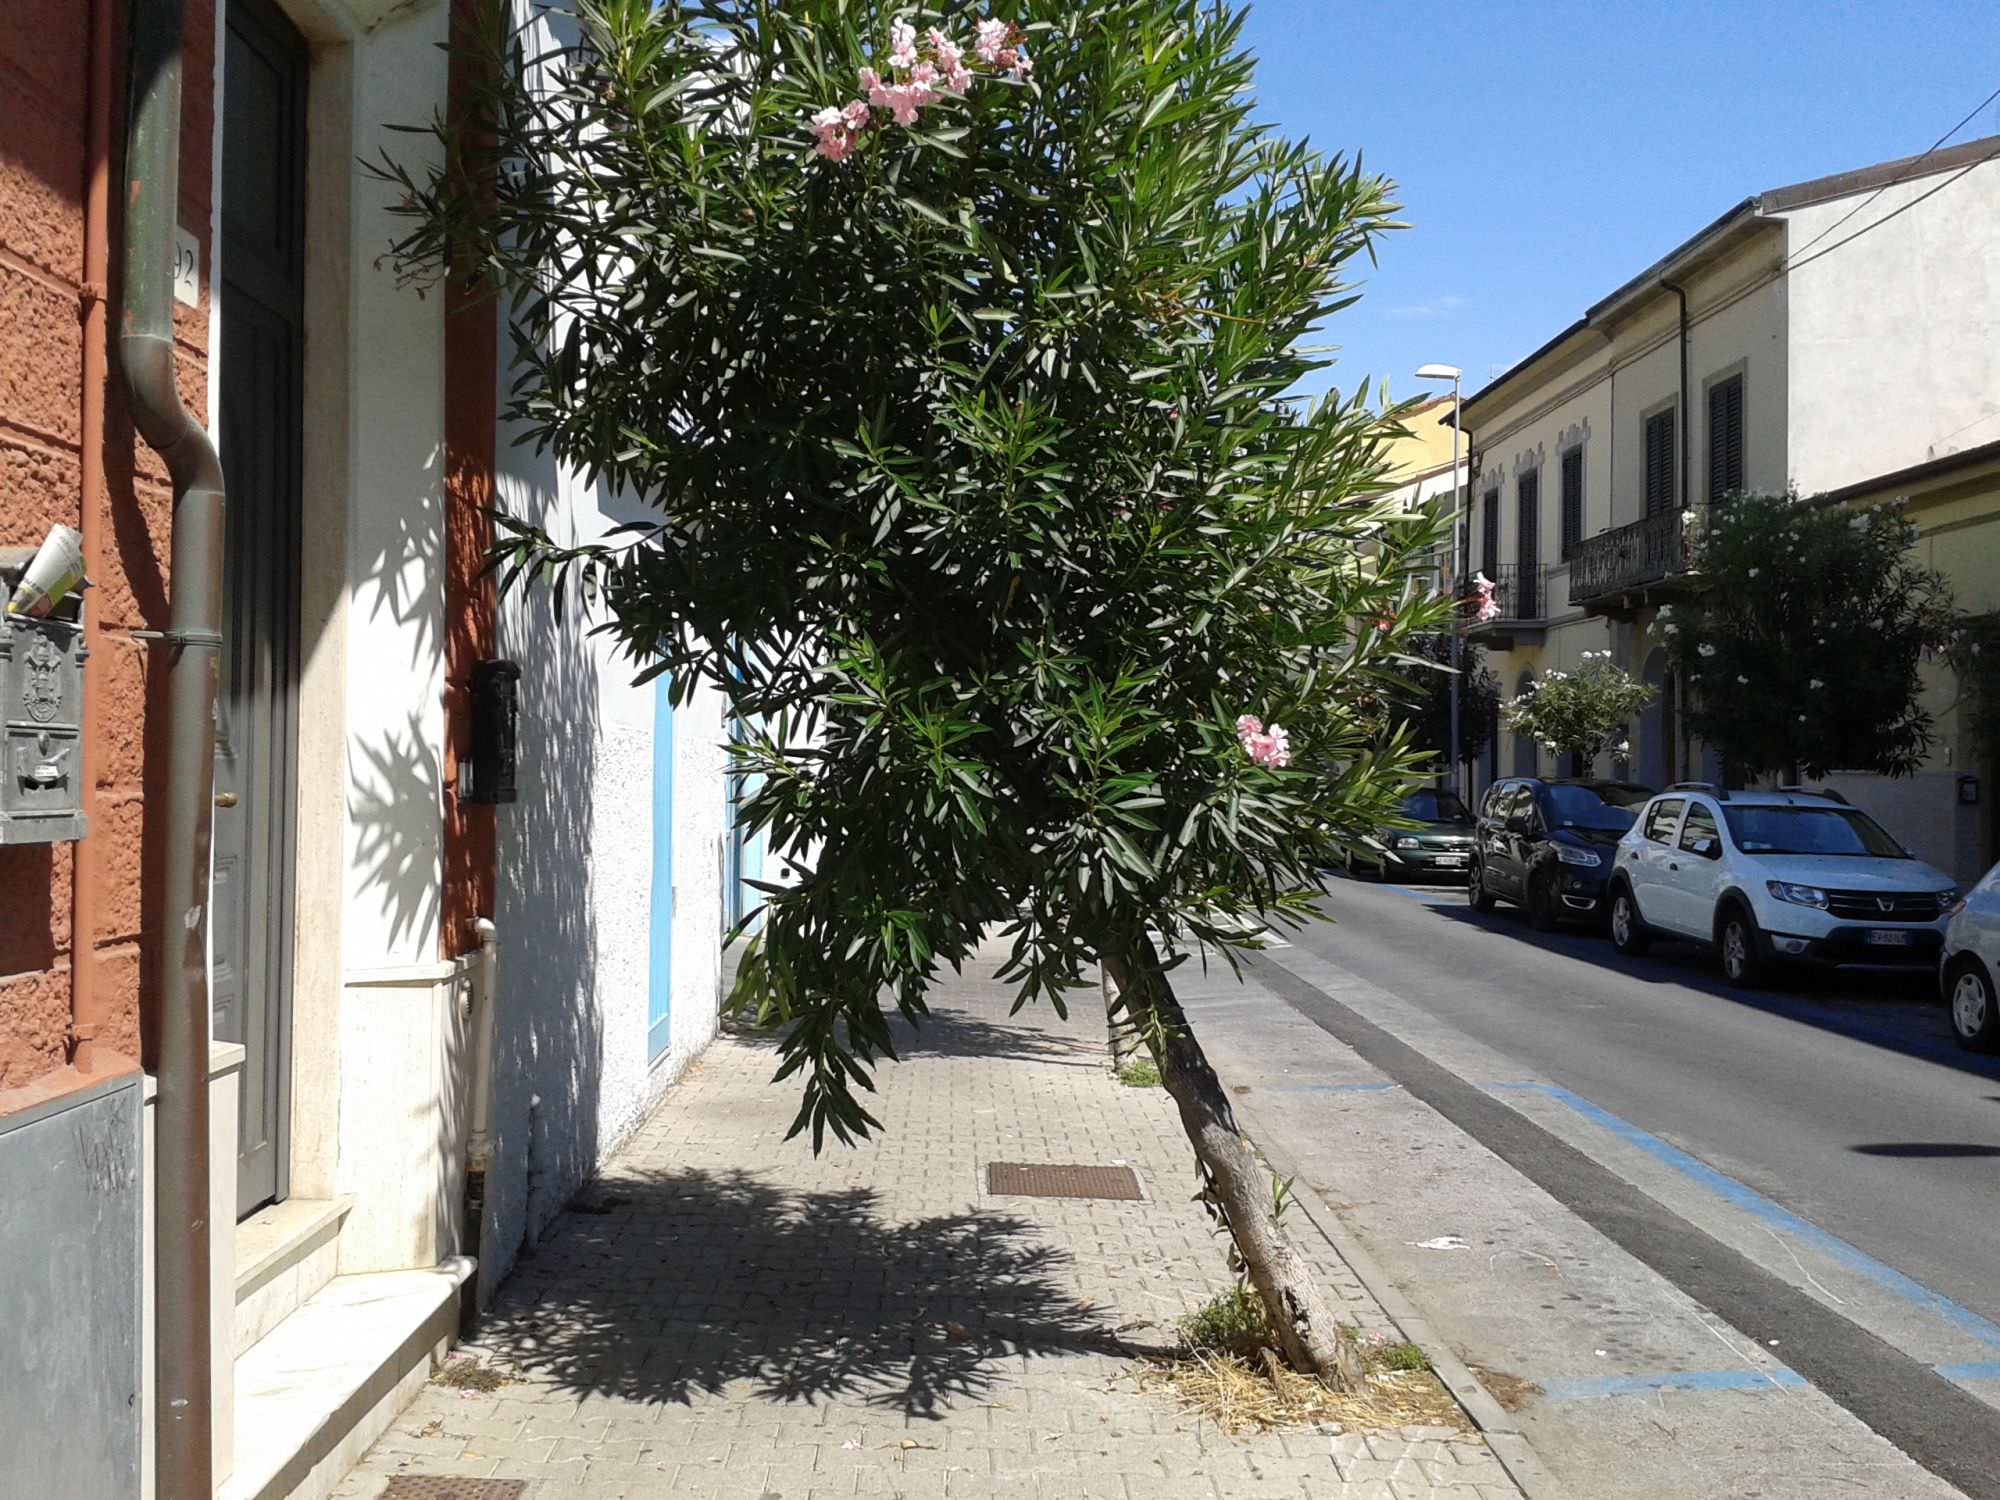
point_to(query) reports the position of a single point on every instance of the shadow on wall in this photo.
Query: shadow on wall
(682, 1282)
(393, 805)
(549, 1039)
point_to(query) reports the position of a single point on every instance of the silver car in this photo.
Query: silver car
(1971, 959)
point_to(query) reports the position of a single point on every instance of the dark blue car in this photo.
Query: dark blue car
(1547, 846)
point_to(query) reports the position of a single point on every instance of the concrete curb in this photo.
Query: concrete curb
(1502, 1433)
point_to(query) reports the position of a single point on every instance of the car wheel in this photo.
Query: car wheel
(1541, 903)
(1476, 894)
(1736, 944)
(1628, 932)
(1975, 1017)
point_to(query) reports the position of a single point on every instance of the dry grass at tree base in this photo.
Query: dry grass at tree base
(1227, 1370)
(1240, 1394)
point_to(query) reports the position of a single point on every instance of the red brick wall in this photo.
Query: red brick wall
(44, 99)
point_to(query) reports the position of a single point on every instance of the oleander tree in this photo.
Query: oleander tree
(1418, 699)
(1580, 714)
(951, 350)
(1803, 650)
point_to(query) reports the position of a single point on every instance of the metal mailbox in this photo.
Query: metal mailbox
(41, 709)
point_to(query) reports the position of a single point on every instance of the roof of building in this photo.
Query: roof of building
(1930, 468)
(1746, 217)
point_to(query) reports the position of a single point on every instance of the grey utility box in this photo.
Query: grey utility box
(41, 707)
(71, 1180)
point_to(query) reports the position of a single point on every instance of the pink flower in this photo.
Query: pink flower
(1249, 724)
(836, 145)
(987, 40)
(1482, 590)
(923, 78)
(958, 78)
(827, 121)
(856, 114)
(1272, 750)
(902, 45)
(871, 81)
(947, 52)
(903, 103)
(1020, 66)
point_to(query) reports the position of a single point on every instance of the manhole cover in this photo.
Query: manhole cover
(438, 1487)
(1020, 1179)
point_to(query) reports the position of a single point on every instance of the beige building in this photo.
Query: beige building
(1833, 335)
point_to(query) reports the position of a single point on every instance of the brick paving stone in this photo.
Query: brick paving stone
(753, 1321)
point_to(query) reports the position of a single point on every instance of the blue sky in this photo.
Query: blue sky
(1547, 151)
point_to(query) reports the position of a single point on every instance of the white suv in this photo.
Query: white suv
(1769, 876)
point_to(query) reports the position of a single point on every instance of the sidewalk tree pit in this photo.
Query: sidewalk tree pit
(951, 349)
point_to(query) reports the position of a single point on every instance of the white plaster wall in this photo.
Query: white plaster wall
(700, 801)
(1896, 336)
(395, 532)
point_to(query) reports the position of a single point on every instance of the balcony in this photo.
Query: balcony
(1617, 572)
(1523, 597)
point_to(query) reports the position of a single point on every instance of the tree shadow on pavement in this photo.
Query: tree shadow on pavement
(948, 1031)
(675, 1284)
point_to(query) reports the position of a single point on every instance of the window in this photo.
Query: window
(1527, 544)
(1700, 825)
(1662, 820)
(1597, 804)
(1572, 501)
(1489, 541)
(1659, 461)
(1725, 438)
(1438, 806)
(1811, 830)
(1495, 806)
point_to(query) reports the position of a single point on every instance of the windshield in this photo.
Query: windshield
(1810, 830)
(1435, 807)
(1608, 807)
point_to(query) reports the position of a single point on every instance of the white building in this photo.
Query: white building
(1815, 336)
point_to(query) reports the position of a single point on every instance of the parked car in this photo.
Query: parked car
(1438, 847)
(1971, 959)
(1771, 877)
(1547, 846)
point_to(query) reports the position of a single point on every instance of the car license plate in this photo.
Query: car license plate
(1885, 938)
(1450, 860)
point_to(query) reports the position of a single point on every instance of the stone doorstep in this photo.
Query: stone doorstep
(284, 1254)
(328, 1380)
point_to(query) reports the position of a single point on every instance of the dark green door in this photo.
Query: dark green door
(261, 381)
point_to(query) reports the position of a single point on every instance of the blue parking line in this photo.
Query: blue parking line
(1758, 1206)
(1978, 1370)
(1605, 1386)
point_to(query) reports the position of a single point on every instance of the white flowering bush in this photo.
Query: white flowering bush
(949, 345)
(1581, 713)
(1802, 651)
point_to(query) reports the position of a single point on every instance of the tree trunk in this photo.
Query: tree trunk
(1118, 1022)
(1300, 1320)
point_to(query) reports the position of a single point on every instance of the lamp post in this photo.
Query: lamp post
(1453, 374)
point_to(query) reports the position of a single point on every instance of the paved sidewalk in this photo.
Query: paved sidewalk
(735, 1319)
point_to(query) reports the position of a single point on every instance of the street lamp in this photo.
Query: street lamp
(1453, 374)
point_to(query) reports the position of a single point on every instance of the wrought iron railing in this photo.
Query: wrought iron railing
(1629, 557)
(1520, 593)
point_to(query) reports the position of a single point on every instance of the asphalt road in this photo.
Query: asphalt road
(1844, 1100)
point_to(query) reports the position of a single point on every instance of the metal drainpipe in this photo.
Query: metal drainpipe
(190, 648)
(483, 983)
(1685, 419)
(86, 1006)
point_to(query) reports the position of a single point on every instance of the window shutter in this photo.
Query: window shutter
(1725, 438)
(1572, 502)
(1659, 462)
(1489, 542)
(1527, 545)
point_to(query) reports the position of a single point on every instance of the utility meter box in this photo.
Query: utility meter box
(41, 711)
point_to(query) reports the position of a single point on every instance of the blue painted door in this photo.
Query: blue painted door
(660, 916)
